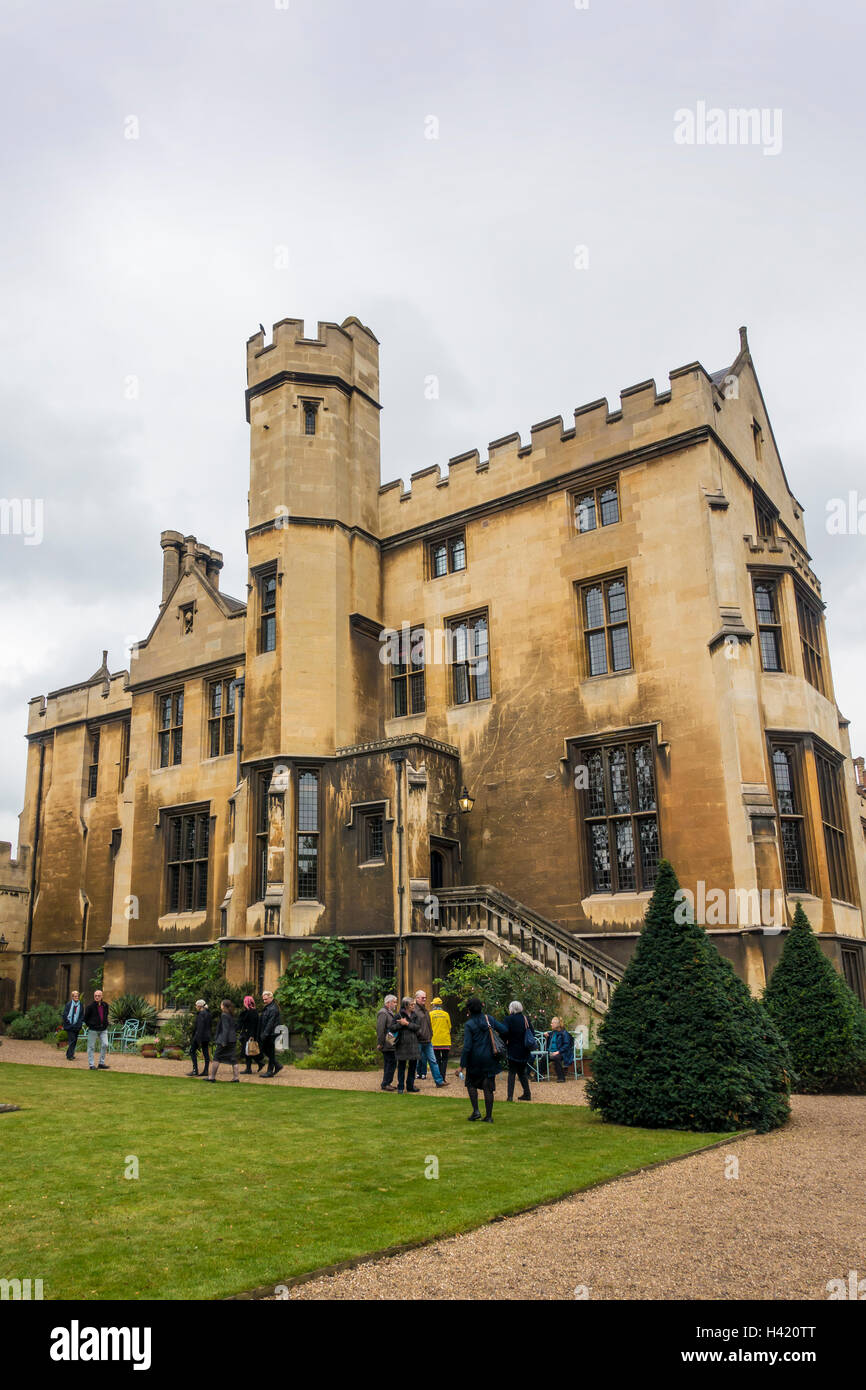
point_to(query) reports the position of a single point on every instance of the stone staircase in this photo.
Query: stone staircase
(578, 967)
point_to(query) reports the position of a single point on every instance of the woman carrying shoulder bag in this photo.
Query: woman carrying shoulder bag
(481, 1057)
(248, 1035)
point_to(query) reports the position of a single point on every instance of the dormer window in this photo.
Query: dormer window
(311, 410)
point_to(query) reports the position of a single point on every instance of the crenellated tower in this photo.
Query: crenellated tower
(312, 405)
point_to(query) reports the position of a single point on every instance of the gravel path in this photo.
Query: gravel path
(793, 1219)
(40, 1054)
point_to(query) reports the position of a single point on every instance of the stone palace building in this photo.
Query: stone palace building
(467, 715)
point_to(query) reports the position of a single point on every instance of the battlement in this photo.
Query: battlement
(645, 415)
(104, 695)
(14, 873)
(348, 351)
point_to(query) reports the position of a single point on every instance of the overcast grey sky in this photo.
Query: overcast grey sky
(306, 127)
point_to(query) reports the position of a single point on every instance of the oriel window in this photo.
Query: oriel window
(596, 507)
(268, 606)
(786, 781)
(170, 728)
(769, 627)
(221, 717)
(621, 816)
(832, 795)
(408, 692)
(308, 834)
(811, 625)
(188, 848)
(470, 659)
(606, 626)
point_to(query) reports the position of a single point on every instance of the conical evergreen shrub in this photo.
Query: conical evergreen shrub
(818, 1015)
(684, 1045)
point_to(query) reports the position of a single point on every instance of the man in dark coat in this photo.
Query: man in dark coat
(519, 1045)
(96, 1023)
(73, 1022)
(386, 1022)
(479, 1058)
(269, 1022)
(200, 1038)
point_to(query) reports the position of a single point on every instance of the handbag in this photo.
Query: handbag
(495, 1042)
(529, 1037)
(252, 1048)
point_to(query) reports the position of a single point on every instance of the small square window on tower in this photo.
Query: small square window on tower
(311, 410)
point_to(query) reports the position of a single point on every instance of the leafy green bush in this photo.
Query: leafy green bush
(317, 981)
(684, 1045)
(201, 975)
(147, 1041)
(132, 1006)
(177, 1031)
(38, 1022)
(11, 1016)
(347, 1042)
(497, 985)
(818, 1015)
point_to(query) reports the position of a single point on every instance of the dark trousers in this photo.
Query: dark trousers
(389, 1066)
(559, 1067)
(401, 1073)
(518, 1070)
(268, 1046)
(205, 1055)
(72, 1039)
(442, 1055)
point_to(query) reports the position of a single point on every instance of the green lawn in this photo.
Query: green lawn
(242, 1188)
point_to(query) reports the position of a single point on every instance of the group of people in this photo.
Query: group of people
(250, 1036)
(412, 1038)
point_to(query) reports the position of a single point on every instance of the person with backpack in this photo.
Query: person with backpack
(481, 1057)
(521, 1042)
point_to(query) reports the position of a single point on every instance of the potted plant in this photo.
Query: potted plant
(147, 1046)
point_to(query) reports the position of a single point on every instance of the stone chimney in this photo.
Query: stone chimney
(172, 545)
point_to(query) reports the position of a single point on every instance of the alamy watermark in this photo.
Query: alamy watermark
(718, 907)
(735, 126)
(23, 516)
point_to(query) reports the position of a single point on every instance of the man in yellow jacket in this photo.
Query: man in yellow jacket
(441, 1021)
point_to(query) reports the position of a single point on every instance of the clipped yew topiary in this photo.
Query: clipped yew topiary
(684, 1045)
(818, 1015)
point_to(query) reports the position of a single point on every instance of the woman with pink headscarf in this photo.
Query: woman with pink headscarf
(248, 1031)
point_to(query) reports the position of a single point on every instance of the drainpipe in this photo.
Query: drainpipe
(25, 962)
(398, 758)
